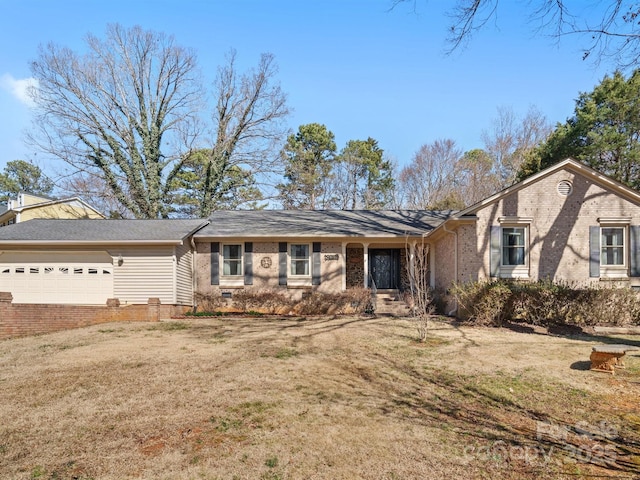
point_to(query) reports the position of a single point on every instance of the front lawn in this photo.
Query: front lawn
(297, 398)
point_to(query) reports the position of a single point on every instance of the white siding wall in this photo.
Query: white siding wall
(145, 272)
(184, 274)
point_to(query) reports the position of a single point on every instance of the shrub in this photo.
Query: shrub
(353, 301)
(541, 303)
(483, 303)
(273, 301)
(605, 306)
(265, 301)
(208, 303)
(545, 303)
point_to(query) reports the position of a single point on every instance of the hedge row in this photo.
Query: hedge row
(273, 301)
(545, 303)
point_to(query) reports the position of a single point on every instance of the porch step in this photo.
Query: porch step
(391, 303)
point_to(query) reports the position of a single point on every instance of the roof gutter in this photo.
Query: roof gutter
(455, 263)
(21, 243)
(194, 275)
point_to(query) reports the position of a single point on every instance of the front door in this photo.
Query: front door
(385, 268)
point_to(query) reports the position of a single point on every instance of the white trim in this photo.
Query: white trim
(365, 254)
(614, 221)
(615, 270)
(81, 243)
(299, 281)
(174, 257)
(515, 271)
(291, 276)
(516, 220)
(231, 280)
(343, 266)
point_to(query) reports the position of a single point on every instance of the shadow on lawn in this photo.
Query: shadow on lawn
(507, 422)
(572, 332)
(500, 429)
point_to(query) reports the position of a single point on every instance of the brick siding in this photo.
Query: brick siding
(18, 320)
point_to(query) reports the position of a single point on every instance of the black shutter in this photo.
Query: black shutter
(495, 252)
(315, 263)
(248, 263)
(594, 251)
(282, 262)
(634, 250)
(215, 263)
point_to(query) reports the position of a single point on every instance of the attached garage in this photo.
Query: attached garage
(81, 278)
(87, 262)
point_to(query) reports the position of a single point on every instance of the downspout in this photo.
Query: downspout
(455, 263)
(194, 277)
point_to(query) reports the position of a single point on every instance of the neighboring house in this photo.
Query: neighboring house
(566, 223)
(28, 206)
(90, 261)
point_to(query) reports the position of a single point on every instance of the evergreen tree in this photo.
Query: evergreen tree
(308, 157)
(21, 176)
(603, 132)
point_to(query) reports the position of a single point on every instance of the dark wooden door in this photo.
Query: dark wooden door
(385, 267)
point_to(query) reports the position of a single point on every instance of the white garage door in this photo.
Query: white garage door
(84, 278)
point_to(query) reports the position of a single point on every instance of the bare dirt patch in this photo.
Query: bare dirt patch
(292, 398)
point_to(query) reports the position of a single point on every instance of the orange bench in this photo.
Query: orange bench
(608, 357)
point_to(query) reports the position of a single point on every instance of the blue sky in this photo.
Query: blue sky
(353, 65)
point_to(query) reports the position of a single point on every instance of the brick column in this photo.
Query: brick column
(153, 310)
(5, 313)
(113, 302)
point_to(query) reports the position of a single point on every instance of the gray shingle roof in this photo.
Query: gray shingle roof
(322, 223)
(95, 231)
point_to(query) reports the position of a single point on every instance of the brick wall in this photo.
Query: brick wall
(29, 319)
(355, 267)
(559, 229)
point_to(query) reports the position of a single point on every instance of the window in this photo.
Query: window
(612, 246)
(232, 260)
(299, 259)
(513, 246)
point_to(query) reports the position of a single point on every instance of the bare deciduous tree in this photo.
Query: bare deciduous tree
(428, 182)
(248, 126)
(476, 176)
(420, 295)
(510, 139)
(611, 28)
(128, 112)
(125, 110)
(93, 189)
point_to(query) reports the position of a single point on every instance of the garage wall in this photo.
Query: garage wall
(145, 272)
(184, 274)
(91, 276)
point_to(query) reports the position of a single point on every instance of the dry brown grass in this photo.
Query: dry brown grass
(301, 398)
